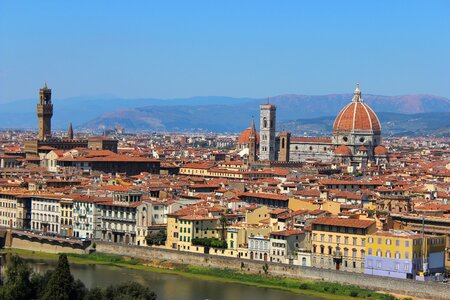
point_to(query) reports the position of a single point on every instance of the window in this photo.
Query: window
(397, 255)
(397, 242)
(406, 243)
(354, 242)
(370, 251)
(388, 254)
(406, 255)
(370, 240)
(346, 240)
(379, 241)
(379, 253)
(388, 241)
(397, 266)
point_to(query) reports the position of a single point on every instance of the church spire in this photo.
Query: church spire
(252, 127)
(70, 132)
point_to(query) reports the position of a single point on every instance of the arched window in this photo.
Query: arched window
(264, 122)
(388, 254)
(379, 253)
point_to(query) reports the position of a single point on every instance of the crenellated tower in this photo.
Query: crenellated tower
(45, 113)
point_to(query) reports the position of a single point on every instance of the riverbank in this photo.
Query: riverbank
(321, 289)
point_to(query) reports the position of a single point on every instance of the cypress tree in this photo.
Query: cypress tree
(61, 283)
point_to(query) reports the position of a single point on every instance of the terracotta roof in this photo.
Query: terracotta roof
(357, 115)
(343, 150)
(244, 137)
(287, 232)
(354, 223)
(380, 150)
(265, 196)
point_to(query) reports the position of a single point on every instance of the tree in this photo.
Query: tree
(61, 284)
(39, 282)
(17, 285)
(157, 239)
(223, 223)
(128, 291)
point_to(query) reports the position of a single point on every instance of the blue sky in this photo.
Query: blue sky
(167, 49)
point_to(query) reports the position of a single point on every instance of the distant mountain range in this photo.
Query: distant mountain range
(301, 114)
(393, 124)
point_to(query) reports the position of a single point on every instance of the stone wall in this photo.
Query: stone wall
(432, 290)
(24, 244)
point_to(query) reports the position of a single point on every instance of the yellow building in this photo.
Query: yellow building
(300, 204)
(66, 217)
(254, 216)
(399, 254)
(14, 211)
(339, 243)
(186, 224)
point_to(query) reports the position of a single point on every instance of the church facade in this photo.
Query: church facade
(356, 138)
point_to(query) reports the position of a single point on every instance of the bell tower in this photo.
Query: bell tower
(45, 113)
(267, 132)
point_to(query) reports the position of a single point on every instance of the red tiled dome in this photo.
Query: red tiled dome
(343, 150)
(357, 116)
(380, 150)
(244, 137)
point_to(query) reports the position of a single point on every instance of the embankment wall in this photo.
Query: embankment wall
(432, 290)
(16, 243)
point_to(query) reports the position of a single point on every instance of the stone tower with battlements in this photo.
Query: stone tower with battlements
(267, 132)
(45, 113)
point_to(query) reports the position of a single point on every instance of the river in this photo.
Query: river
(170, 286)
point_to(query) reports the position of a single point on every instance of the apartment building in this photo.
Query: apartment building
(399, 254)
(339, 243)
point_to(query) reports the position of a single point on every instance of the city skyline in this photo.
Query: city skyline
(252, 49)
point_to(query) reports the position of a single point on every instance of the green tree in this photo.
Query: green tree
(17, 285)
(157, 239)
(223, 223)
(128, 291)
(39, 282)
(61, 284)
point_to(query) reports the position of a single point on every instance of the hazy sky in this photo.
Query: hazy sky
(239, 48)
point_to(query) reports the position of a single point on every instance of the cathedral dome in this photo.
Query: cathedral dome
(357, 116)
(380, 150)
(343, 150)
(244, 137)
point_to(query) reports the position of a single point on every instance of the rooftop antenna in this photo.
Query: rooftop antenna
(268, 100)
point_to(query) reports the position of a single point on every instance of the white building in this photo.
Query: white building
(86, 216)
(258, 247)
(45, 214)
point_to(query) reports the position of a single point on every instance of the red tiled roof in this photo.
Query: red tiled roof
(354, 223)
